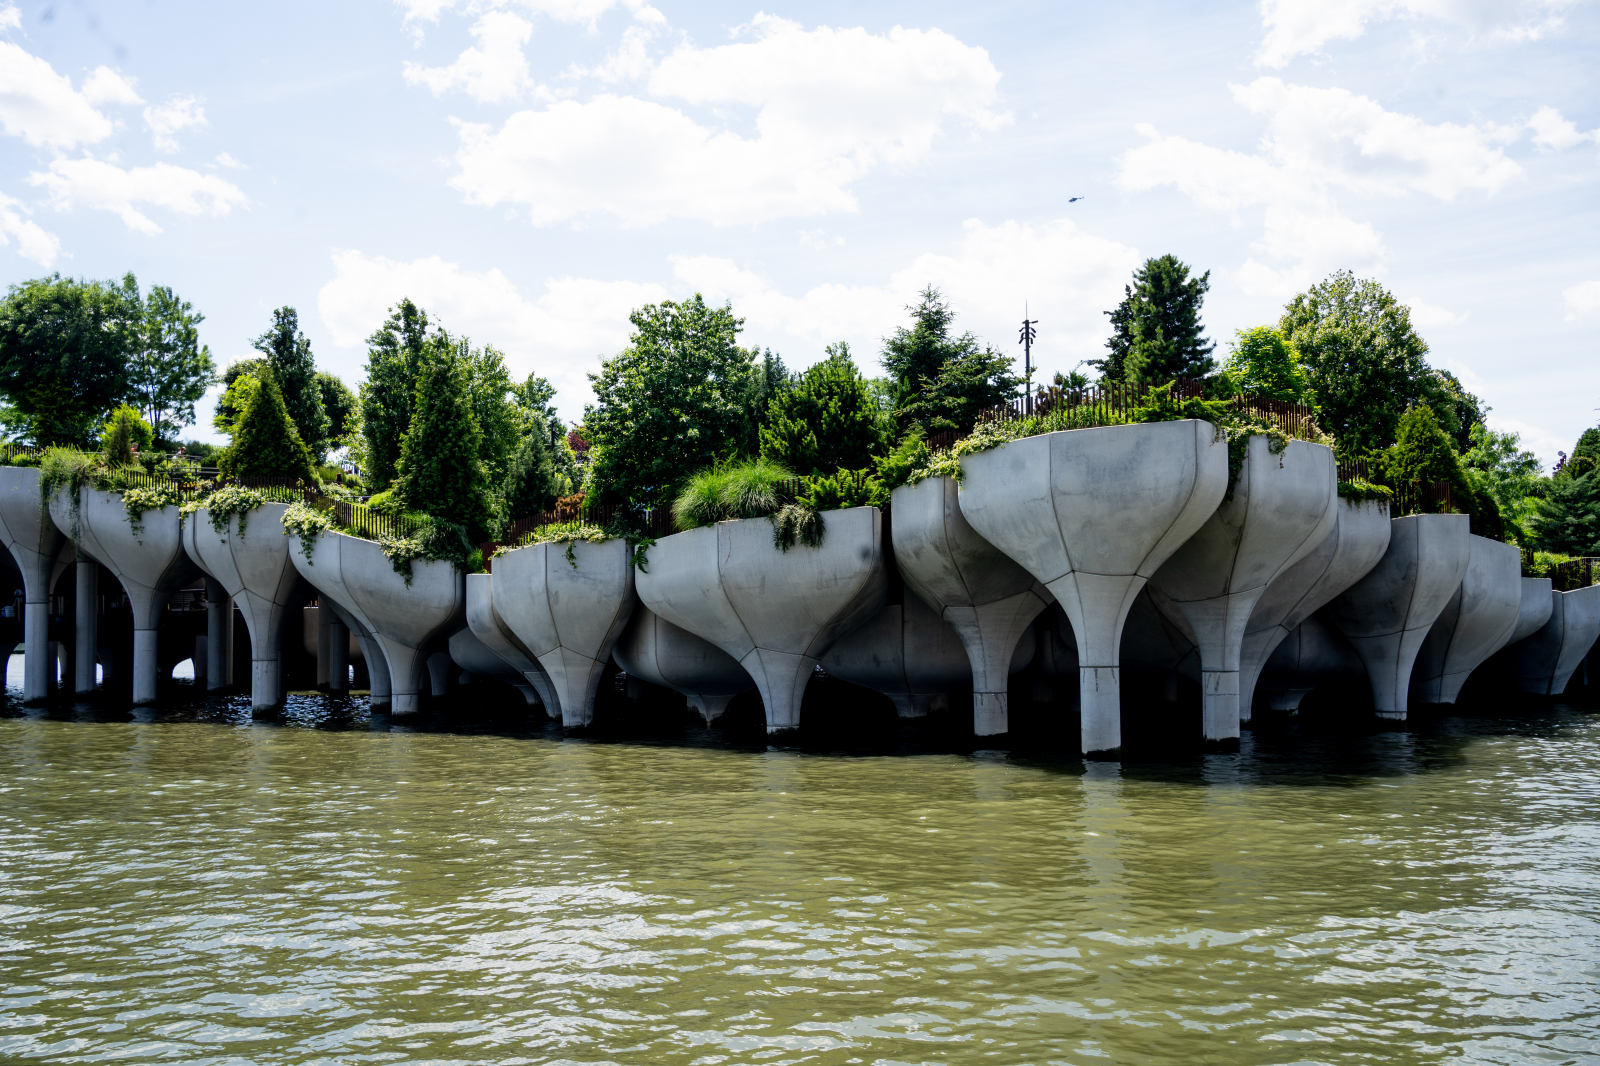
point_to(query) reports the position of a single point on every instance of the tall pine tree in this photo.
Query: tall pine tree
(441, 471)
(266, 442)
(1156, 333)
(826, 421)
(288, 353)
(395, 357)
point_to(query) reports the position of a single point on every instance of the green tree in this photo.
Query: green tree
(239, 380)
(1585, 456)
(1423, 452)
(966, 386)
(669, 404)
(768, 379)
(1568, 519)
(493, 399)
(1497, 465)
(340, 405)
(169, 368)
(1263, 362)
(940, 380)
(64, 353)
(1156, 334)
(266, 442)
(826, 421)
(1363, 361)
(294, 368)
(536, 396)
(124, 436)
(1464, 409)
(531, 485)
(441, 468)
(395, 357)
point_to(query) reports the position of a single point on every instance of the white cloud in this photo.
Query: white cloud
(42, 107)
(104, 186)
(1319, 142)
(10, 17)
(828, 107)
(177, 114)
(226, 160)
(1554, 131)
(1582, 300)
(1300, 27)
(106, 86)
(574, 11)
(494, 71)
(1432, 316)
(819, 239)
(33, 242)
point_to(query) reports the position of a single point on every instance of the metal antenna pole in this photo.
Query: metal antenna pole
(1025, 337)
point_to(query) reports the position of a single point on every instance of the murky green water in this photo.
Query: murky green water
(222, 892)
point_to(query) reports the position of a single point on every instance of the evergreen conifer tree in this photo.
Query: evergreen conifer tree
(1568, 521)
(441, 472)
(1156, 330)
(827, 421)
(939, 380)
(395, 357)
(266, 442)
(121, 435)
(530, 483)
(288, 353)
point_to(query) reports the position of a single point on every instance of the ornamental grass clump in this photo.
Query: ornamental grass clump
(750, 488)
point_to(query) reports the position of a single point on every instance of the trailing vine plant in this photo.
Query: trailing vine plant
(306, 522)
(135, 502)
(568, 533)
(226, 503)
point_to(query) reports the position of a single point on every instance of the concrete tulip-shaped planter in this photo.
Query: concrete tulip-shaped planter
(472, 655)
(252, 565)
(484, 620)
(664, 654)
(1387, 614)
(975, 587)
(1281, 508)
(1091, 514)
(150, 563)
(775, 612)
(1477, 622)
(34, 542)
(568, 612)
(1534, 610)
(1313, 655)
(1544, 662)
(403, 618)
(908, 653)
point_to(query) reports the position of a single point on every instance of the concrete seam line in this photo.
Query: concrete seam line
(1194, 483)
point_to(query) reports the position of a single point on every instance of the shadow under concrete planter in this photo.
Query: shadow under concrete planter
(150, 564)
(569, 613)
(672, 657)
(1544, 662)
(979, 592)
(909, 654)
(775, 612)
(404, 619)
(35, 543)
(1314, 654)
(1092, 514)
(473, 656)
(483, 618)
(252, 565)
(1387, 614)
(1477, 622)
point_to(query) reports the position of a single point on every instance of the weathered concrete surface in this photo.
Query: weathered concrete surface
(34, 542)
(1092, 513)
(219, 637)
(1282, 507)
(1534, 610)
(569, 616)
(775, 612)
(380, 693)
(1544, 663)
(664, 654)
(1387, 614)
(907, 653)
(86, 615)
(1477, 622)
(985, 597)
(1313, 655)
(358, 577)
(1359, 538)
(472, 655)
(150, 565)
(483, 618)
(253, 568)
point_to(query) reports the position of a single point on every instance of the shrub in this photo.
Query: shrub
(747, 489)
(440, 469)
(265, 440)
(123, 436)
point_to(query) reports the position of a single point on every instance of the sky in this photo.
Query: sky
(529, 171)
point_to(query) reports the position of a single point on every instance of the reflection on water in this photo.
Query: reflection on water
(189, 886)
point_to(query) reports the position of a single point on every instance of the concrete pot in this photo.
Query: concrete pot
(1534, 610)
(402, 620)
(1313, 655)
(667, 655)
(975, 587)
(777, 613)
(1282, 507)
(483, 618)
(1091, 514)
(1544, 662)
(150, 565)
(35, 543)
(473, 656)
(1477, 622)
(1358, 540)
(253, 568)
(907, 653)
(1387, 614)
(568, 613)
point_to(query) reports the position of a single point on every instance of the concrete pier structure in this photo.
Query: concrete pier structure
(667, 655)
(908, 653)
(979, 592)
(777, 613)
(1477, 622)
(1534, 610)
(252, 566)
(483, 618)
(1359, 538)
(1387, 614)
(1543, 663)
(219, 636)
(34, 542)
(86, 619)
(473, 656)
(1281, 508)
(1314, 654)
(568, 613)
(405, 618)
(1092, 514)
(379, 692)
(150, 565)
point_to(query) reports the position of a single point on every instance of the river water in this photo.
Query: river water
(187, 886)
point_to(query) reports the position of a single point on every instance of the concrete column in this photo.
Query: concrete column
(201, 660)
(439, 673)
(219, 636)
(324, 618)
(36, 649)
(338, 654)
(88, 623)
(266, 684)
(379, 694)
(145, 665)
